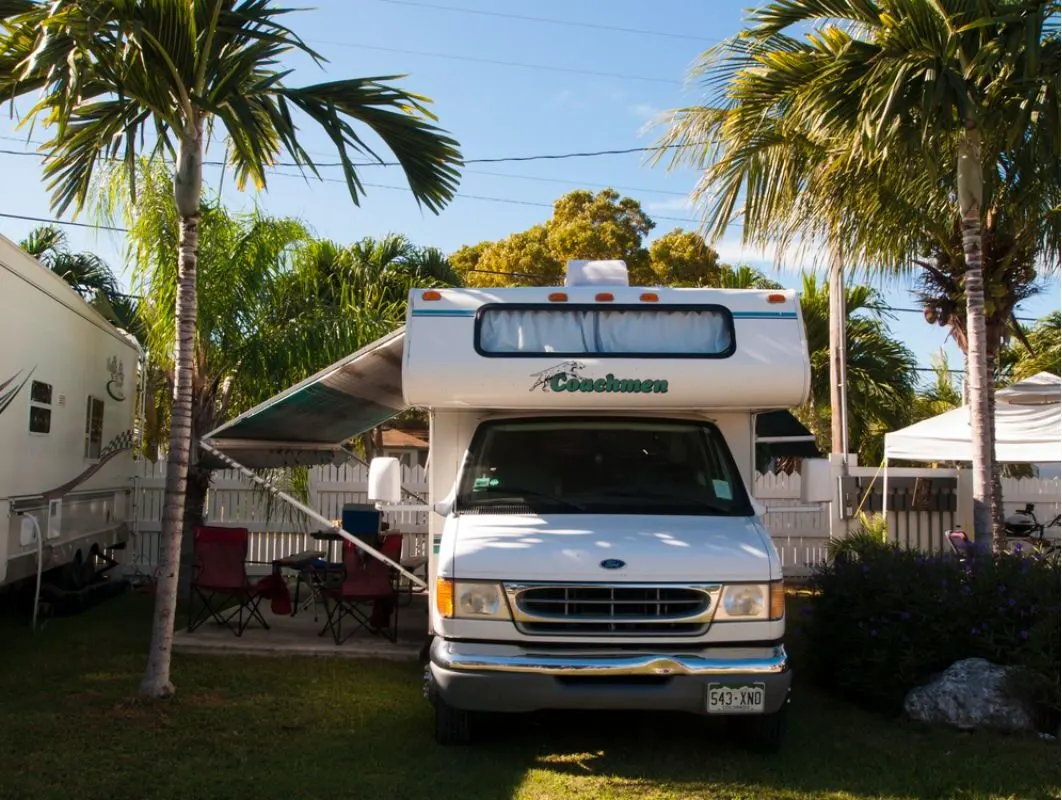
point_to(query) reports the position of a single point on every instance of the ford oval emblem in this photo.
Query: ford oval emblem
(613, 563)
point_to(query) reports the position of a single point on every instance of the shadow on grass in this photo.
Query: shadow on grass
(300, 728)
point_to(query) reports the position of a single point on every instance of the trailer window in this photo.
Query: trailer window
(40, 416)
(93, 427)
(666, 331)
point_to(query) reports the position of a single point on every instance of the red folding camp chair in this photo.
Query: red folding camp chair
(219, 576)
(366, 580)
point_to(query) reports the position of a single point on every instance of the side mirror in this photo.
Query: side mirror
(816, 481)
(758, 508)
(385, 480)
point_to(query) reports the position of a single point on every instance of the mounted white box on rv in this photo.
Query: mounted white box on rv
(596, 273)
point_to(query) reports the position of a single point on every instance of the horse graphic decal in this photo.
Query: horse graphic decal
(564, 371)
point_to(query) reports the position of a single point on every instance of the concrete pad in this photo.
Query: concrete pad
(298, 636)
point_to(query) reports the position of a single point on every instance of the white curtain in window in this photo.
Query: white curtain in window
(701, 332)
(516, 331)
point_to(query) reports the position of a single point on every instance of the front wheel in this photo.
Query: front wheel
(762, 733)
(453, 726)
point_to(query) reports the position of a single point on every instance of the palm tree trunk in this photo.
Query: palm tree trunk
(187, 191)
(996, 504)
(971, 191)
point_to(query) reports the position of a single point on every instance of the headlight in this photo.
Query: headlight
(752, 601)
(470, 600)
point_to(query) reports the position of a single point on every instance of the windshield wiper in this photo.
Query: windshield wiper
(650, 494)
(512, 493)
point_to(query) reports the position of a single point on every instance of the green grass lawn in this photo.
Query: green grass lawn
(71, 726)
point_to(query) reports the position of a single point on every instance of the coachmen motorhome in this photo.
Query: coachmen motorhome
(596, 544)
(68, 386)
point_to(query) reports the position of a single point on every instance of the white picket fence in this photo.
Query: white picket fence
(800, 533)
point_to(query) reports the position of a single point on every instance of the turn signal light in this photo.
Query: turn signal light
(604, 297)
(650, 297)
(776, 298)
(431, 294)
(558, 297)
(444, 597)
(777, 600)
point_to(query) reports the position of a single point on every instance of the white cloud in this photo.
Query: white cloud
(675, 204)
(645, 111)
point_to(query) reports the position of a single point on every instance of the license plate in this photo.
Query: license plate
(729, 699)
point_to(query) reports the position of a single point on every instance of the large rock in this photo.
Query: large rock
(970, 694)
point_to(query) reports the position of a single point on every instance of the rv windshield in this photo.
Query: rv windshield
(600, 466)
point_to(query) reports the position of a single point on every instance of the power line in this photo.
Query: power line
(485, 198)
(26, 218)
(500, 63)
(498, 160)
(567, 23)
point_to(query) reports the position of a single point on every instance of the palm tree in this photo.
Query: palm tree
(881, 370)
(841, 135)
(87, 274)
(1041, 351)
(108, 74)
(372, 276)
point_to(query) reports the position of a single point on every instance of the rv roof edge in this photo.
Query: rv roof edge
(596, 273)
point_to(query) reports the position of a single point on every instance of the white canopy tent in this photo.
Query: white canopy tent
(1028, 429)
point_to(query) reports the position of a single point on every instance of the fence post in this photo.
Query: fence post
(964, 500)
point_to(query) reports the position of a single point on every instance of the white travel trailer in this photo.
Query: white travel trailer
(596, 543)
(68, 382)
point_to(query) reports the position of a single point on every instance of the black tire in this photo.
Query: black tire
(453, 726)
(763, 733)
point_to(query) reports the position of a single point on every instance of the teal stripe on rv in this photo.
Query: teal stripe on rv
(443, 312)
(763, 314)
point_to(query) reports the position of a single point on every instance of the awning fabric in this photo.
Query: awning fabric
(310, 422)
(1028, 428)
(781, 435)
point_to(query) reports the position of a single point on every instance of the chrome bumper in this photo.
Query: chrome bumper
(460, 657)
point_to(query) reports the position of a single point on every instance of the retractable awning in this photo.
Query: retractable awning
(781, 435)
(310, 422)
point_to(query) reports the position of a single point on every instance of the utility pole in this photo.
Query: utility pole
(838, 357)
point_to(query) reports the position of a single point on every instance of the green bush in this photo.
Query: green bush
(883, 620)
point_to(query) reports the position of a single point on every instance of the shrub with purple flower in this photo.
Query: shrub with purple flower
(884, 619)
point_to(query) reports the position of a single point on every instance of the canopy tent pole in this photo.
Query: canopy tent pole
(287, 498)
(885, 494)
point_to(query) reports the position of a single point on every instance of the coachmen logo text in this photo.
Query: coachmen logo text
(568, 377)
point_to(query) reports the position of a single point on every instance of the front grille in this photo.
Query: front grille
(613, 610)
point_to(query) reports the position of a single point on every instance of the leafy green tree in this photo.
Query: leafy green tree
(584, 225)
(683, 258)
(109, 73)
(883, 110)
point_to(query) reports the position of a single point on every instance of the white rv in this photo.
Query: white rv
(68, 382)
(591, 460)
(596, 544)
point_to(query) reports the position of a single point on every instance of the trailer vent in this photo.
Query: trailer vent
(613, 610)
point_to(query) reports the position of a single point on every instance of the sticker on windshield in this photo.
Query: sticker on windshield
(722, 490)
(480, 483)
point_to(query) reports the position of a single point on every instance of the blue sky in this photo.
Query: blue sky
(584, 86)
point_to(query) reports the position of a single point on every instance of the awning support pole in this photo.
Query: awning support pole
(287, 498)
